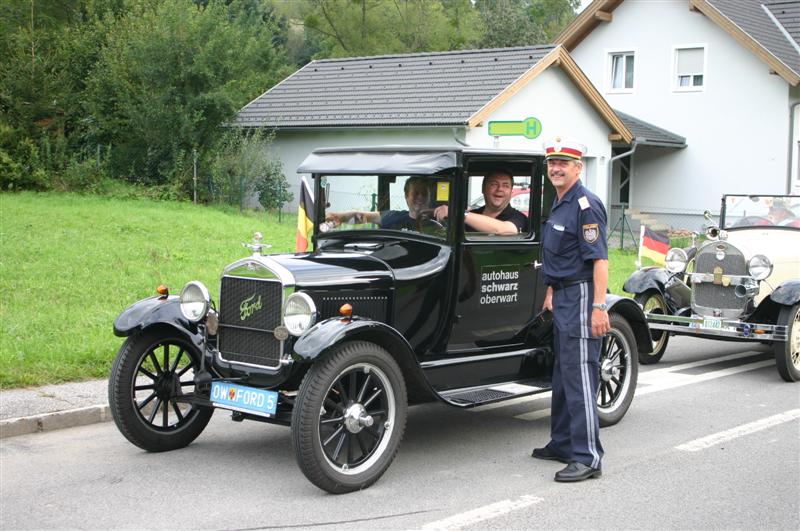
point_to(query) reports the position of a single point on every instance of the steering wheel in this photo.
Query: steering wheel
(753, 221)
(427, 224)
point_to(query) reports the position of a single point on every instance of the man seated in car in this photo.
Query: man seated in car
(417, 198)
(497, 216)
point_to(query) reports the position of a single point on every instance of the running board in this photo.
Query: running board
(486, 394)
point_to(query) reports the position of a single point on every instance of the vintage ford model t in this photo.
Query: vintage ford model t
(337, 342)
(742, 283)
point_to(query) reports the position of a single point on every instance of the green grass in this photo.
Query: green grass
(69, 264)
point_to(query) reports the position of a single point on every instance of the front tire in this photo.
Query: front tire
(787, 353)
(653, 302)
(152, 370)
(619, 371)
(349, 417)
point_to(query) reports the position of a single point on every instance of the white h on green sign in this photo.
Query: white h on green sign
(529, 128)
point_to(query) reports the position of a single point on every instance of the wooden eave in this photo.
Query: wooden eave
(596, 13)
(558, 57)
(775, 64)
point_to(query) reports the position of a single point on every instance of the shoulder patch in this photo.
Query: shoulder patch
(583, 202)
(591, 232)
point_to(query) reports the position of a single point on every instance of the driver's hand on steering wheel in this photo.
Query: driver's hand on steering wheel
(440, 212)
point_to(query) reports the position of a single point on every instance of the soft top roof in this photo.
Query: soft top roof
(406, 160)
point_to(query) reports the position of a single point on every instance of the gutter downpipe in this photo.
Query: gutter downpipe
(790, 158)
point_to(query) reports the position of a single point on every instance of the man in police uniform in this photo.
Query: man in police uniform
(575, 265)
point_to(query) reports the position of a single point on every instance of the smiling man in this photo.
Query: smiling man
(575, 266)
(497, 216)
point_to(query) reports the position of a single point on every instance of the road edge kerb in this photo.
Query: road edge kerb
(56, 420)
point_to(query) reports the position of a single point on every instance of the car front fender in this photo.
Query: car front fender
(787, 293)
(647, 278)
(632, 313)
(332, 331)
(153, 311)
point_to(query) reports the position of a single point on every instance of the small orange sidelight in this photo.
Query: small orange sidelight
(346, 310)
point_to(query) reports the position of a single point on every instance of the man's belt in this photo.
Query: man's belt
(561, 284)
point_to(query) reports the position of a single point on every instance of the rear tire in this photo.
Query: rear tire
(349, 417)
(787, 353)
(619, 371)
(151, 370)
(653, 302)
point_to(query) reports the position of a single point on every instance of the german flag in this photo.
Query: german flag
(305, 213)
(653, 245)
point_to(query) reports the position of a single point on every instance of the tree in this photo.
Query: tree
(169, 76)
(523, 22)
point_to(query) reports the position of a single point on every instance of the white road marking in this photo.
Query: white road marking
(487, 512)
(669, 380)
(534, 415)
(739, 431)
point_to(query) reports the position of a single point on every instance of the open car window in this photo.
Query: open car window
(520, 201)
(385, 203)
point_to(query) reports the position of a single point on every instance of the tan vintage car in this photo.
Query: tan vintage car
(742, 283)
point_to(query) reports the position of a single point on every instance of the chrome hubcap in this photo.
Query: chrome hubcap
(356, 417)
(608, 370)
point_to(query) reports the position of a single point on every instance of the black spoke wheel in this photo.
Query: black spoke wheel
(349, 417)
(787, 353)
(619, 371)
(653, 303)
(151, 372)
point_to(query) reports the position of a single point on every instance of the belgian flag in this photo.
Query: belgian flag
(653, 245)
(305, 217)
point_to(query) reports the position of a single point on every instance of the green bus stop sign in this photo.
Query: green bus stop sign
(529, 128)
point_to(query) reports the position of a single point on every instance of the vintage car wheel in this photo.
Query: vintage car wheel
(349, 417)
(619, 371)
(787, 353)
(151, 370)
(653, 302)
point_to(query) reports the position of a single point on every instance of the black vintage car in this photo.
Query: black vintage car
(337, 342)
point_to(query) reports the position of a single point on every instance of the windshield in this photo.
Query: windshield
(385, 202)
(762, 210)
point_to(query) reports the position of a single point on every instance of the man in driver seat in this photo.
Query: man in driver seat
(417, 199)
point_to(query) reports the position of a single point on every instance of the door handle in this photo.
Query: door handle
(536, 264)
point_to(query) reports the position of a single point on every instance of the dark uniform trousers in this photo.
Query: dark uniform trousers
(575, 429)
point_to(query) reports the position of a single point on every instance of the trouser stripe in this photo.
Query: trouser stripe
(588, 399)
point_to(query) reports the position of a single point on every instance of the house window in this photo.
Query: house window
(621, 78)
(690, 68)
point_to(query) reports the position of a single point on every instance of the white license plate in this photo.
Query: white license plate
(242, 398)
(712, 323)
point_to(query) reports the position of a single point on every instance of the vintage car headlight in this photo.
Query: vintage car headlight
(299, 313)
(759, 267)
(676, 260)
(195, 301)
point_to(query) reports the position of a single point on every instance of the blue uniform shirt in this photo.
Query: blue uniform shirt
(574, 236)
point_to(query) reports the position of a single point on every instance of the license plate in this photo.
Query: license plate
(713, 323)
(242, 398)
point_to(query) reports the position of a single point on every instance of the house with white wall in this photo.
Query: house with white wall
(721, 74)
(446, 99)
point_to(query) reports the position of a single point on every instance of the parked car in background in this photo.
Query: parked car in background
(742, 283)
(335, 343)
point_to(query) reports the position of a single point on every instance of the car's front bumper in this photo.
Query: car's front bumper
(697, 325)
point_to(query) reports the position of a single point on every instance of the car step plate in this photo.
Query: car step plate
(237, 397)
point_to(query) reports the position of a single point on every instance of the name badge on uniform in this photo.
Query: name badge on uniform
(559, 228)
(583, 202)
(591, 232)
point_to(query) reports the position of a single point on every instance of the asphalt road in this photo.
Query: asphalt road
(712, 440)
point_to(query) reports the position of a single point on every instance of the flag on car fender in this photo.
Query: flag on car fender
(653, 245)
(305, 213)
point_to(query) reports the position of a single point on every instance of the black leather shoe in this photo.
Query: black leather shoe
(546, 453)
(577, 472)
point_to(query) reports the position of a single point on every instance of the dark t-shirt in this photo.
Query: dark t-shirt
(397, 219)
(509, 214)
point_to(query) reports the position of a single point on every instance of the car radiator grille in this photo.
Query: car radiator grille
(250, 310)
(710, 295)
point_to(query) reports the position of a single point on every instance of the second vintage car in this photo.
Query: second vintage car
(337, 342)
(742, 283)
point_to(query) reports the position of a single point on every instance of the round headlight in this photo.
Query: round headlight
(299, 313)
(759, 267)
(195, 301)
(676, 260)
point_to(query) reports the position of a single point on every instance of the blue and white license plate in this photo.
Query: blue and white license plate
(242, 398)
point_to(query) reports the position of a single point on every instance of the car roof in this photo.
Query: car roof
(415, 160)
